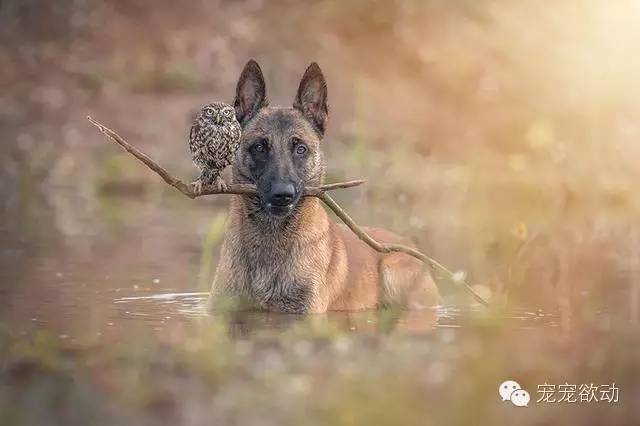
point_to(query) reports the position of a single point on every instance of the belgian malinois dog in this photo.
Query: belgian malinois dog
(281, 251)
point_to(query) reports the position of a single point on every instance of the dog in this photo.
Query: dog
(281, 251)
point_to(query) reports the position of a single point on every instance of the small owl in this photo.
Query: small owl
(213, 141)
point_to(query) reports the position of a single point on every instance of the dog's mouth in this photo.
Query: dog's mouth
(279, 210)
(280, 200)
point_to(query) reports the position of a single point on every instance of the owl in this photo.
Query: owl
(213, 141)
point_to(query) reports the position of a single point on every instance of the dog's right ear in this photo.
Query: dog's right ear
(251, 93)
(311, 99)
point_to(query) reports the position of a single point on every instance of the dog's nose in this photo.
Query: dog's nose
(282, 194)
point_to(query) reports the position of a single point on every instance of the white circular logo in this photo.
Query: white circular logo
(510, 390)
(520, 398)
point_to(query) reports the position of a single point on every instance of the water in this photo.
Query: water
(81, 269)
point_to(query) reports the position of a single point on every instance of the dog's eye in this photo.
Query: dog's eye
(301, 149)
(298, 146)
(259, 146)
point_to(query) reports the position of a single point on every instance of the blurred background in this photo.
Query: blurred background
(503, 137)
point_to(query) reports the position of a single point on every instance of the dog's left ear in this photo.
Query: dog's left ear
(311, 99)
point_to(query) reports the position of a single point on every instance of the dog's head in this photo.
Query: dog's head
(280, 151)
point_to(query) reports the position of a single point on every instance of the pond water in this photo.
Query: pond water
(81, 265)
(74, 308)
(80, 269)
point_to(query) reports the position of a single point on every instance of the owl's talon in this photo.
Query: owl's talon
(220, 185)
(197, 186)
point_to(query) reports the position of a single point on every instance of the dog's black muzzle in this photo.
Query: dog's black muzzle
(281, 198)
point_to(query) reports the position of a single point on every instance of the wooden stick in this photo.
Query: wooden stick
(319, 192)
(390, 248)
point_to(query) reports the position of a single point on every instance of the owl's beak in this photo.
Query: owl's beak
(218, 119)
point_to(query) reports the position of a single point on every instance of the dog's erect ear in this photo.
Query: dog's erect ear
(251, 92)
(311, 99)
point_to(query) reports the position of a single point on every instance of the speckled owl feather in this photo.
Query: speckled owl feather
(213, 141)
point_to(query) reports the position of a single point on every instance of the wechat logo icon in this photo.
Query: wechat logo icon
(510, 390)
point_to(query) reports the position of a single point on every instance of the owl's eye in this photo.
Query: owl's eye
(208, 111)
(228, 112)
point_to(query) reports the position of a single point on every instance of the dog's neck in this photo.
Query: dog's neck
(254, 222)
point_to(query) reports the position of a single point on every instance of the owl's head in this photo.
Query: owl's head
(217, 113)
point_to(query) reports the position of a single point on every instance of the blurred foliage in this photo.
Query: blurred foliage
(306, 375)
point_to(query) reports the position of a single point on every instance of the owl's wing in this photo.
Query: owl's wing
(221, 146)
(194, 139)
(235, 131)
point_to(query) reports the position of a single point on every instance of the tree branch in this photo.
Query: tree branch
(319, 192)
(399, 248)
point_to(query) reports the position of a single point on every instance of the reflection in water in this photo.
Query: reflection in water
(160, 309)
(187, 304)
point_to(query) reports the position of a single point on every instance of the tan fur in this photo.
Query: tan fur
(343, 273)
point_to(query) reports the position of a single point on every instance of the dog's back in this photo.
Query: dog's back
(374, 279)
(281, 251)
